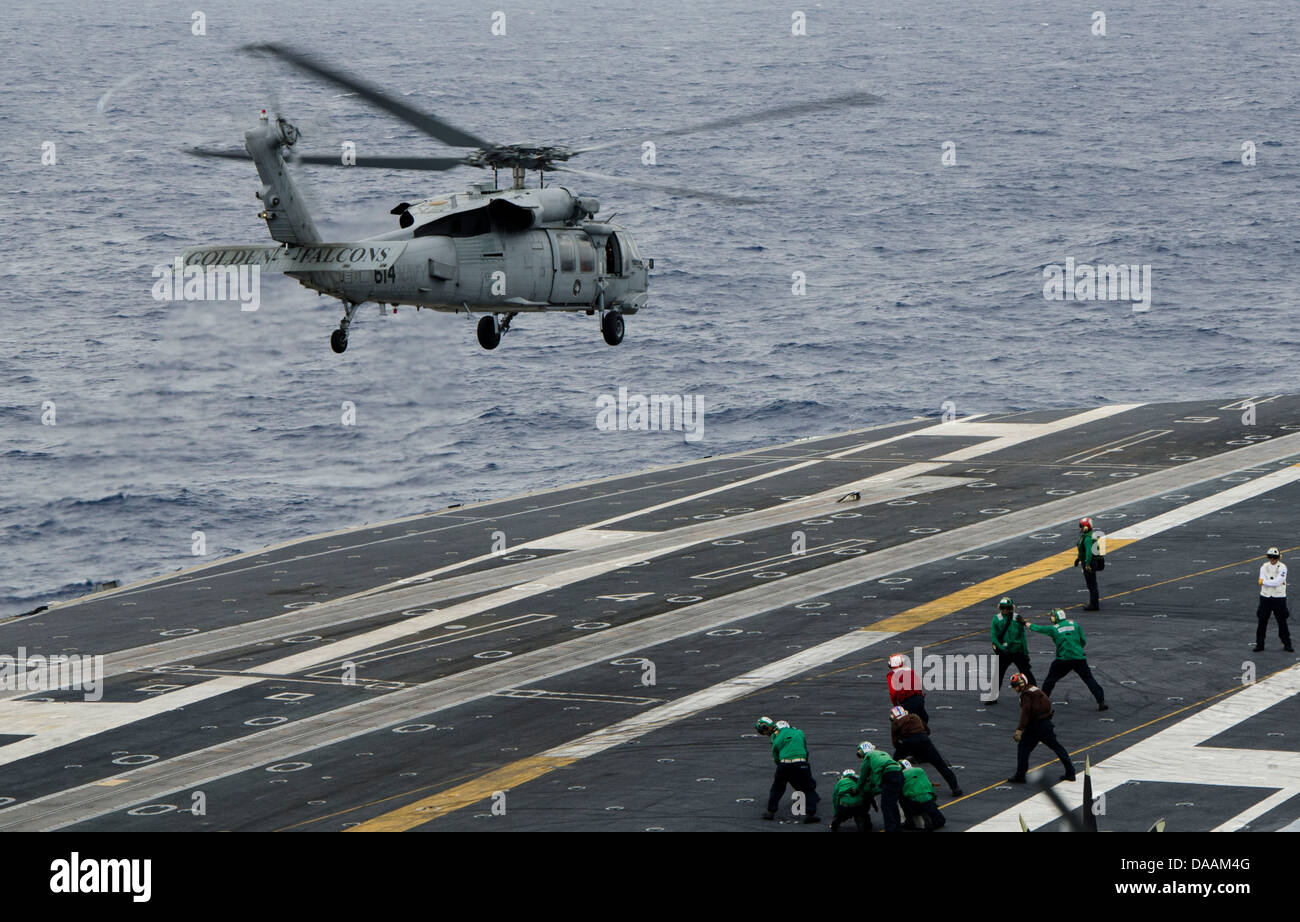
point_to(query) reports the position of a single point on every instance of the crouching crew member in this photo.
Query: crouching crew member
(1272, 601)
(918, 799)
(1008, 636)
(912, 741)
(905, 688)
(881, 776)
(850, 803)
(1069, 640)
(1035, 727)
(790, 753)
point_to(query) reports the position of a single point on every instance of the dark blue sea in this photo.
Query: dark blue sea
(924, 281)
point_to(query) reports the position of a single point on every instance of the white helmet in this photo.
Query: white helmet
(1273, 552)
(863, 748)
(905, 765)
(897, 713)
(848, 773)
(896, 661)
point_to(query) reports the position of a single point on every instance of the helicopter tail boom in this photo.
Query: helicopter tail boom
(284, 210)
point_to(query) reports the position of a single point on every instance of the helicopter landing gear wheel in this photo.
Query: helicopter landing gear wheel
(611, 327)
(339, 338)
(489, 336)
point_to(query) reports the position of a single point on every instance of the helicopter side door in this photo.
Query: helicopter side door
(574, 265)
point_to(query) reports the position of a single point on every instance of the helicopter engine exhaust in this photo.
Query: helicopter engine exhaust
(541, 207)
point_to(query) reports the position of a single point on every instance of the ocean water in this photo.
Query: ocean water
(924, 281)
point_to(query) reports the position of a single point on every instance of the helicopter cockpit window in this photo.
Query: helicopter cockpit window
(566, 252)
(586, 255)
(461, 224)
(613, 256)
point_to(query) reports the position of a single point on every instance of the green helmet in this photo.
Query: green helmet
(1005, 602)
(765, 725)
(1057, 615)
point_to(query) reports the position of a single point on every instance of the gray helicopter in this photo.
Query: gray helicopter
(487, 250)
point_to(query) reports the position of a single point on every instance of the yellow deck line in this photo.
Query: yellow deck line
(997, 585)
(463, 795)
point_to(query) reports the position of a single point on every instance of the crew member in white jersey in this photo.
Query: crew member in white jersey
(1272, 600)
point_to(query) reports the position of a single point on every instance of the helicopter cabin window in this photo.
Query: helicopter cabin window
(586, 255)
(613, 256)
(565, 242)
(461, 224)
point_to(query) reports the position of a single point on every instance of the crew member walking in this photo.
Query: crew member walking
(1035, 727)
(1084, 558)
(1272, 601)
(905, 688)
(918, 799)
(790, 753)
(1008, 636)
(912, 740)
(1069, 640)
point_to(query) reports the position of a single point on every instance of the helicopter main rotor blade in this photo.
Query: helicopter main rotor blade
(662, 186)
(385, 163)
(224, 154)
(429, 124)
(790, 110)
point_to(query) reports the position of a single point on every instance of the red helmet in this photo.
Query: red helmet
(1085, 522)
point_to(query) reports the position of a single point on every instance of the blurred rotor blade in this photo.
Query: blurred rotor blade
(790, 110)
(429, 124)
(384, 163)
(225, 154)
(662, 186)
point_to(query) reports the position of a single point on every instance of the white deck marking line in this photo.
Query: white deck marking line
(1175, 755)
(1201, 507)
(425, 643)
(722, 693)
(1245, 817)
(1099, 451)
(57, 723)
(544, 543)
(358, 643)
(579, 539)
(1018, 432)
(772, 563)
(1029, 431)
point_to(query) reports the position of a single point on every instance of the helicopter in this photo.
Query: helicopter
(491, 251)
